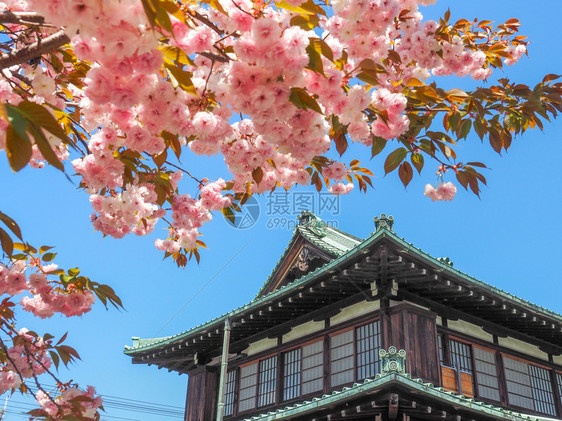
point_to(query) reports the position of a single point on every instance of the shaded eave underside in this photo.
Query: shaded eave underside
(347, 279)
(374, 396)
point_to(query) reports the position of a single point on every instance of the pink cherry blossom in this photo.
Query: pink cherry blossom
(445, 191)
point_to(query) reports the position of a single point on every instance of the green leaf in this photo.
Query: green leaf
(228, 214)
(314, 60)
(378, 145)
(337, 134)
(301, 99)
(405, 173)
(55, 358)
(176, 55)
(417, 161)
(12, 225)
(394, 159)
(18, 149)
(17, 120)
(477, 164)
(479, 127)
(257, 175)
(465, 129)
(322, 48)
(181, 78)
(306, 22)
(163, 19)
(43, 118)
(45, 147)
(43, 249)
(73, 271)
(150, 12)
(6, 242)
(47, 257)
(457, 94)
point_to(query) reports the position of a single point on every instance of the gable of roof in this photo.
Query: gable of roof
(312, 237)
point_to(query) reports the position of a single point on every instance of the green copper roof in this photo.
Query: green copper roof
(394, 378)
(344, 244)
(448, 268)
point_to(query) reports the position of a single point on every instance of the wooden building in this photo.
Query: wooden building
(374, 329)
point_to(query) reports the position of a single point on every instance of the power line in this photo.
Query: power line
(110, 402)
(203, 287)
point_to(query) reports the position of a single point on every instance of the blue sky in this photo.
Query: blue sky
(510, 237)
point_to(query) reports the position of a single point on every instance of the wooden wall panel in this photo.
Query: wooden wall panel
(201, 399)
(415, 331)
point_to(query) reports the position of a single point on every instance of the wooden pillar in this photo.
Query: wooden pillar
(202, 390)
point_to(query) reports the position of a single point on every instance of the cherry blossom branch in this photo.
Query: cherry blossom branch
(215, 57)
(3, 345)
(208, 77)
(185, 171)
(5, 348)
(37, 49)
(205, 20)
(242, 10)
(23, 18)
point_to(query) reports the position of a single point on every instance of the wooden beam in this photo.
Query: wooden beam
(393, 402)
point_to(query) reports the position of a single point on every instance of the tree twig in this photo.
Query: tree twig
(185, 171)
(205, 20)
(23, 18)
(214, 57)
(37, 49)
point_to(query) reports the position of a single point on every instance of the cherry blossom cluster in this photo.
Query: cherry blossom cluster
(71, 402)
(45, 299)
(244, 60)
(27, 358)
(443, 192)
(132, 210)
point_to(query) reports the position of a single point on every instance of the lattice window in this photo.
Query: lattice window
(267, 381)
(230, 392)
(542, 390)
(460, 356)
(313, 368)
(518, 383)
(368, 343)
(248, 383)
(341, 358)
(486, 374)
(440, 346)
(292, 374)
(559, 383)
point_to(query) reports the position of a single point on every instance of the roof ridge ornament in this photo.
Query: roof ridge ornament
(393, 360)
(311, 221)
(384, 222)
(445, 261)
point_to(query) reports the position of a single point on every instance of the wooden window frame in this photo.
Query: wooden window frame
(500, 356)
(544, 393)
(285, 376)
(356, 352)
(499, 374)
(354, 328)
(235, 391)
(274, 379)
